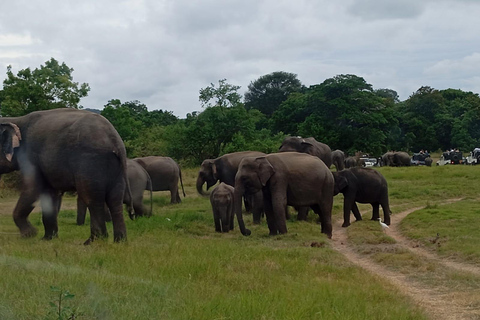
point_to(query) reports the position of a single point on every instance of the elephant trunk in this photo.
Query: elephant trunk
(239, 190)
(200, 183)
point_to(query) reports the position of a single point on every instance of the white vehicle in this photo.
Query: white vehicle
(369, 162)
(474, 157)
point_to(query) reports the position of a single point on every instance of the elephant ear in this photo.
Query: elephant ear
(214, 170)
(265, 170)
(10, 138)
(306, 146)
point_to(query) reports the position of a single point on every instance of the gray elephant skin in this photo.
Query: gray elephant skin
(222, 200)
(139, 180)
(65, 150)
(308, 145)
(224, 169)
(363, 185)
(288, 178)
(338, 159)
(164, 173)
(396, 159)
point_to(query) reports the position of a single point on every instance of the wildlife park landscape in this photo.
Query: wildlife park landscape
(175, 266)
(336, 201)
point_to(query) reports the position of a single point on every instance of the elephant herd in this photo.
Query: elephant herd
(68, 150)
(64, 150)
(298, 175)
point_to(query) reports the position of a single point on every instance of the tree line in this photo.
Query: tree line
(344, 112)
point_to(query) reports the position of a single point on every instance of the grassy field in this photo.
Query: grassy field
(174, 266)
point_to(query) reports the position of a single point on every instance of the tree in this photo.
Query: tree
(225, 95)
(49, 87)
(343, 112)
(124, 118)
(269, 91)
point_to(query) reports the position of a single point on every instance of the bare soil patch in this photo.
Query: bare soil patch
(441, 303)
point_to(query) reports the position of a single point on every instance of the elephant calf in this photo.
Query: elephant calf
(222, 202)
(363, 185)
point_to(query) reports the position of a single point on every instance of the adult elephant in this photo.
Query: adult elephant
(338, 159)
(65, 150)
(308, 145)
(139, 180)
(224, 169)
(363, 185)
(164, 173)
(289, 178)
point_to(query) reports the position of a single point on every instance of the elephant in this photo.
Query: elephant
(287, 178)
(308, 145)
(139, 180)
(224, 169)
(312, 147)
(338, 159)
(351, 162)
(164, 173)
(396, 159)
(222, 202)
(65, 150)
(363, 185)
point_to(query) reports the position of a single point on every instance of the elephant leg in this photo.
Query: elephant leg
(376, 213)
(114, 201)
(356, 212)
(272, 226)
(138, 208)
(324, 211)
(98, 228)
(108, 216)
(174, 196)
(386, 212)
(302, 213)
(50, 203)
(81, 212)
(279, 205)
(23, 209)
(216, 220)
(347, 207)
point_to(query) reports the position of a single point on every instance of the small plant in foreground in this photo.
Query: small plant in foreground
(59, 309)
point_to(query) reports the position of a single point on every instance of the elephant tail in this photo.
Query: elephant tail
(181, 181)
(131, 213)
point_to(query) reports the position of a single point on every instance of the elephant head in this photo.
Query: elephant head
(208, 174)
(10, 138)
(341, 182)
(253, 174)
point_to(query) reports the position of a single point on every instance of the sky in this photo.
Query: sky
(162, 52)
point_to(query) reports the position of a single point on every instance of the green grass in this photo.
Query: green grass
(174, 266)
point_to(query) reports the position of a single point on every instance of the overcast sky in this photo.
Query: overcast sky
(162, 52)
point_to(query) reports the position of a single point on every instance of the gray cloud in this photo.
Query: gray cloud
(163, 52)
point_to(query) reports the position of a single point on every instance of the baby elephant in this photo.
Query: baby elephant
(363, 185)
(222, 202)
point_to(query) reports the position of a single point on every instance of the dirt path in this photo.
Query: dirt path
(439, 305)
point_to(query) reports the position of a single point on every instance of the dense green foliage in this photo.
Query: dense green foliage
(345, 112)
(48, 87)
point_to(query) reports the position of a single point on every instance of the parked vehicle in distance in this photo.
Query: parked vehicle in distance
(368, 161)
(451, 157)
(474, 157)
(421, 159)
